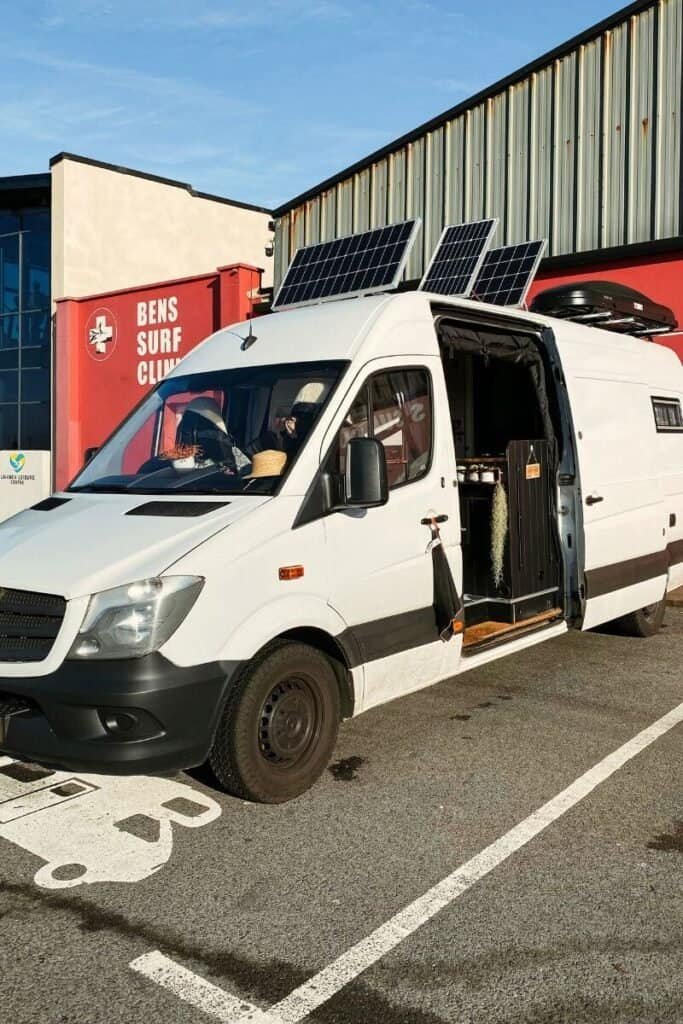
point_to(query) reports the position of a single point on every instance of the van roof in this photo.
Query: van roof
(336, 330)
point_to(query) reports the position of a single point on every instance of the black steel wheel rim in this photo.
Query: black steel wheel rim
(289, 723)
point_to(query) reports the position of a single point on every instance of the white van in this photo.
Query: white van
(251, 557)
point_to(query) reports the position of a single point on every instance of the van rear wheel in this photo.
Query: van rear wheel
(278, 726)
(645, 622)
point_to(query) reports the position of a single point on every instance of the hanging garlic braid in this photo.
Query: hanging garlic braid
(499, 529)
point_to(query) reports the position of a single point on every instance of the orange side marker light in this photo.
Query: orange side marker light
(290, 572)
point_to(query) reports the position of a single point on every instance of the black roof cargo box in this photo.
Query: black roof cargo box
(605, 304)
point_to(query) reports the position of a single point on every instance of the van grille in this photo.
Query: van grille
(29, 624)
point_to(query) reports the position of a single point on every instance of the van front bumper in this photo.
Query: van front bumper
(124, 717)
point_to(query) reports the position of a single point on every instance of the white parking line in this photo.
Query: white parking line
(193, 989)
(322, 986)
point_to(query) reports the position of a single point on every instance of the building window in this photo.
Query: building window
(395, 407)
(25, 327)
(668, 416)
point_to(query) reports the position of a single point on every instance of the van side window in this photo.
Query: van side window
(668, 416)
(395, 407)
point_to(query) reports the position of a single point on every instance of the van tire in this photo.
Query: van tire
(643, 623)
(271, 754)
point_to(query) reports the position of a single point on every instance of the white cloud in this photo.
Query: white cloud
(171, 15)
(58, 13)
(46, 118)
(160, 86)
(267, 12)
(455, 86)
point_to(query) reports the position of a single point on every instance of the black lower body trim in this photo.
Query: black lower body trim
(608, 578)
(116, 717)
(675, 550)
(394, 634)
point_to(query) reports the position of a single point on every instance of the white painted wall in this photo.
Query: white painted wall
(112, 229)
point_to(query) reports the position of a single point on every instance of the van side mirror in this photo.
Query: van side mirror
(89, 454)
(365, 482)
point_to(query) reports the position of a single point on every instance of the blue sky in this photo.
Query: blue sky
(255, 101)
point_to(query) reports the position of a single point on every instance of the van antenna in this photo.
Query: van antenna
(250, 338)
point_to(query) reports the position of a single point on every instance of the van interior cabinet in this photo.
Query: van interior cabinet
(531, 570)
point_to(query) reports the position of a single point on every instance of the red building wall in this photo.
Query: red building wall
(111, 349)
(658, 277)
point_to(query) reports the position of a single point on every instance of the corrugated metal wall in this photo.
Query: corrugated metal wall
(586, 151)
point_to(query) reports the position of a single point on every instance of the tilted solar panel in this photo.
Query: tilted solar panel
(507, 273)
(458, 257)
(372, 261)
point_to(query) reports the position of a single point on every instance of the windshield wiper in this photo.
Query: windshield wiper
(100, 489)
(207, 490)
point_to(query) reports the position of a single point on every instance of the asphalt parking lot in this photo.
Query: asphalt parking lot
(225, 908)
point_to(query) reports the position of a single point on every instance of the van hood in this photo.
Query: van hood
(91, 542)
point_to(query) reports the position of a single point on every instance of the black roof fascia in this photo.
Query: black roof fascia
(631, 251)
(159, 179)
(587, 36)
(24, 182)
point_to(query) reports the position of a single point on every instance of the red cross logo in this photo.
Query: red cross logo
(101, 334)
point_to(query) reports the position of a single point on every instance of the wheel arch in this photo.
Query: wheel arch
(306, 619)
(332, 649)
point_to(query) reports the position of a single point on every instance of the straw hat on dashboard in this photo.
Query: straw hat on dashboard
(267, 463)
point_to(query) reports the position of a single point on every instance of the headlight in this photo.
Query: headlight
(131, 621)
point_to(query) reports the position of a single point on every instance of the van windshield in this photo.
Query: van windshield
(224, 432)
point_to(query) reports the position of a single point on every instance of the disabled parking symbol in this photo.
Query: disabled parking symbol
(94, 828)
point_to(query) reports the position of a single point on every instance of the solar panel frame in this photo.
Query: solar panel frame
(382, 277)
(476, 246)
(513, 283)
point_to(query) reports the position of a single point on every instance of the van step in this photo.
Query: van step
(490, 630)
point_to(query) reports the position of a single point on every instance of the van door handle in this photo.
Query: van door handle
(435, 519)
(594, 499)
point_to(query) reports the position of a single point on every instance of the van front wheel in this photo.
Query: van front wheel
(278, 726)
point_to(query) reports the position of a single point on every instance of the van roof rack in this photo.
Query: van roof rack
(606, 304)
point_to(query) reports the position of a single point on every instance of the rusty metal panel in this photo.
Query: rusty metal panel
(297, 226)
(496, 160)
(328, 215)
(564, 156)
(415, 206)
(454, 171)
(641, 124)
(517, 211)
(541, 153)
(434, 194)
(475, 163)
(669, 174)
(379, 194)
(588, 146)
(345, 208)
(361, 201)
(615, 121)
(397, 186)
(280, 249)
(312, 221)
